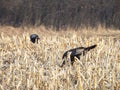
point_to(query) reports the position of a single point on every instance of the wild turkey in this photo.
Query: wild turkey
(76, 52)
(34, 38)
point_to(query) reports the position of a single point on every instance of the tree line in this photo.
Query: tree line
(60, 13)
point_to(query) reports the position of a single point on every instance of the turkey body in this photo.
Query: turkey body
(76, 52)
(34, 38)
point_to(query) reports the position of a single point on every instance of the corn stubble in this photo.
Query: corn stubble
(27, 66)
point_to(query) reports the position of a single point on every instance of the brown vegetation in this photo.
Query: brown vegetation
(24, 65)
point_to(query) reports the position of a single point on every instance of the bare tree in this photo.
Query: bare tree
(60, 13)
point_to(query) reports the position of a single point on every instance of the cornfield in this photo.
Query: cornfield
(28, 66)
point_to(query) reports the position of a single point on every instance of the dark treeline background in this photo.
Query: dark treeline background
(60, 13)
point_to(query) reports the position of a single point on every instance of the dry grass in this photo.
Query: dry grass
(27, 66)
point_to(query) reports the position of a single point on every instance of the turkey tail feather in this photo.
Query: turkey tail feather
(90, 47)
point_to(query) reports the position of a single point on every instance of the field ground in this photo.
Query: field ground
(27, 66)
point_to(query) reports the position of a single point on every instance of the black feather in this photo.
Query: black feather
(76, 52)
(34, 37)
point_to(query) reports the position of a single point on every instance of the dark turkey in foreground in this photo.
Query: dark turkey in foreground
(76, 52)
(34, 38)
